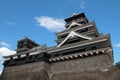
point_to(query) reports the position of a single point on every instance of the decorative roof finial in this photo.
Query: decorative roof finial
(25, 37)
(74, 14)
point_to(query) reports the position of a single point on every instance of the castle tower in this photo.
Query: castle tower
(29, 63)
(81, 53)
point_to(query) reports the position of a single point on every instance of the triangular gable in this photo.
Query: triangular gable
(72, 24)
(71, 35)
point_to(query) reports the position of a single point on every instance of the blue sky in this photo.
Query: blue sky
(33, 18)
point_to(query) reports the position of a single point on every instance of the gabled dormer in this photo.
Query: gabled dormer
(73, 34)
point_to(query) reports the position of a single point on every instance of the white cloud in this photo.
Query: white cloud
(4, 44)
(0, 72)
(52, 24)
(4, 51)
(117, 45)
(82, 4)
(10, 23)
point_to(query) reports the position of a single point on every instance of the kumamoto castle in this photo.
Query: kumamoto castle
(81, 53)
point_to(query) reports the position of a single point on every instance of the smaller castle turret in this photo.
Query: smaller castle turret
(25, 44)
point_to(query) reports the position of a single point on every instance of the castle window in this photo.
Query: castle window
(82, 50)
(84, 30)
(56, 55)
(63, 36)
(93, 47)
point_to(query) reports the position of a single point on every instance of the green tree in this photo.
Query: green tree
(118, 64)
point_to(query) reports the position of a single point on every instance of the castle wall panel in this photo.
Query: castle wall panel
(83, 64)
(32, 71)
(111, 73)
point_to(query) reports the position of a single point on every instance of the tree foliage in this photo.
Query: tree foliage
(118, 64)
